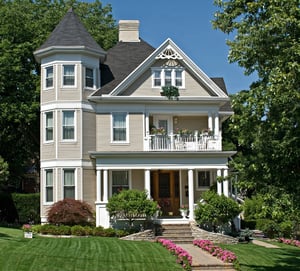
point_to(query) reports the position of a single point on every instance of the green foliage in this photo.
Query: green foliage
(170, 92)
(25, 25)
(78, 230)
(8, 212)
(131, 205)
(4, 173)
(216, 210)
(268, 226)
(265, 127)
(27, 207)
(71, 212)
(286, 229)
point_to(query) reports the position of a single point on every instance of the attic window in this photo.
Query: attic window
(168, 77)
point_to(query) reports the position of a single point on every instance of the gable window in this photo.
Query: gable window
(120, 181)
(49, 77)
(69, 75)
(119, 126)
(49, 185)
(168, 77)
(68, 125)
(89, 77)
(48, 126)
(69, 183)
(203, 180)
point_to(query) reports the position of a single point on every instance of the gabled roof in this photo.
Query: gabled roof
(120, 61)
(126, 62)
(70, 34)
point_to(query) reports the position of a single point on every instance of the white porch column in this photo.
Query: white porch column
(226, 183)
(191, 193)
(219, 184)
(147, 182)
(217, 128)
(98, 186)
(210, 123)
(105, 185)
(147, 124)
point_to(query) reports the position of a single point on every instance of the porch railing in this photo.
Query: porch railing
(177, 142)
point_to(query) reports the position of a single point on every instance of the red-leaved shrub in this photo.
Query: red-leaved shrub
(71, 212)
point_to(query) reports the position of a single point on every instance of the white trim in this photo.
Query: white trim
(124, 166)
(66, 105)
(173, 76)
(66, 163)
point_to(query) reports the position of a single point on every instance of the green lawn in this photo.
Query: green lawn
(87, 253)
(256, 258)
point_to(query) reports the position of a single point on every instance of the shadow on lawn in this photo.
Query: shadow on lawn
(288, 260)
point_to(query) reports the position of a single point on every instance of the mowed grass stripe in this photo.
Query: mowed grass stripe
(92, 253)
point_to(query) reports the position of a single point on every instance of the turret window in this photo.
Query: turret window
(69, 75)
(49, 77)
(89, 77)
(68, 132)
(48, 126)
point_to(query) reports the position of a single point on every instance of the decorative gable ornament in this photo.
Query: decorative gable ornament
(169, 53)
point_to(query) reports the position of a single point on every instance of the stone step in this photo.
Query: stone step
(204, 267)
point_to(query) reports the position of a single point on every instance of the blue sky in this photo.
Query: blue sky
(188, 24)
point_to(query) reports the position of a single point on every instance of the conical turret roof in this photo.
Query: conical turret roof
(70, 34)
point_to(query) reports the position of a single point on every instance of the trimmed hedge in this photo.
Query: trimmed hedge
(28, 207)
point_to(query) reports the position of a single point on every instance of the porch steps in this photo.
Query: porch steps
(177, 233)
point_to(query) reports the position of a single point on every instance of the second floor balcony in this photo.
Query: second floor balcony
(180, 142)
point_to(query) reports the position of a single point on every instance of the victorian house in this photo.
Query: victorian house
(134, 117)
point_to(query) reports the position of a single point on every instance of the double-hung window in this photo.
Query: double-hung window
(119, 127)
(48, 126)
(89, 77)
(168, 77)
(203, 180)
(49, 77)
(69, 183)
(120, 181)
(69, 75)
(68, 125)
(49, 185)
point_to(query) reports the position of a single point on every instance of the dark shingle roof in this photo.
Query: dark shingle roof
(120, 61)
(71, 32)
(221, 84)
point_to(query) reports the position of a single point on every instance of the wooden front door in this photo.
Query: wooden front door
(165, 190)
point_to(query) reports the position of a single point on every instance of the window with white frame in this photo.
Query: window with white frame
(69, 75)
(69, 183)
(120, 181)
(49, 185)
(48, 126)
(49, 77)
(119, 127)
(203, 179)
(89, 77)
(68, 125)
(168, 77)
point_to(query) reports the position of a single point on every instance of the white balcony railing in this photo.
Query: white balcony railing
(176, 142)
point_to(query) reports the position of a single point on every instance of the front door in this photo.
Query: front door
(165, 190)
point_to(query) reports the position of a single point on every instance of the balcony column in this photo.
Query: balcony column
(219, 184)
(191, 193)
(217, 128)
(98, 186)
(105, 185)
(210, 123)
(147, 182)
(147, 132)
(226, 183)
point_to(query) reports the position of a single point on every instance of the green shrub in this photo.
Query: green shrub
(28, 207)
(248, 224)
(269, 227)
(71, 212)
(121, 233)
(109, 232)
(98, 231)
(286, 229)
(88, 230)
(8, 212)
(78, 230)
(49, 229)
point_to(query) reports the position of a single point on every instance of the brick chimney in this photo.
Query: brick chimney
(129, 30)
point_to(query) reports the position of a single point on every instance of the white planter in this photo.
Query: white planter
(27, 234)
(183, 213)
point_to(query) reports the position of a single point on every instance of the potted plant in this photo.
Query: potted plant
(184, 211)
(27, 229)
(170, 92)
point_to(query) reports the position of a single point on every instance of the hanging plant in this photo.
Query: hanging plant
(170, 92)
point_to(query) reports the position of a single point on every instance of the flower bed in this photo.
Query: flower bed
(183, 257)
(222, 254)
(291, 242)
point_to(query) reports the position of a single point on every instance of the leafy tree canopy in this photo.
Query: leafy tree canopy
(265, 127)
(131, 205)
(25, 25)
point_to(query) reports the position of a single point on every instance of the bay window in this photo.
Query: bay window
(49, 77)
(48, 126)
(69, 183)
(49, 185)
(69, 75)
(68, 125)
